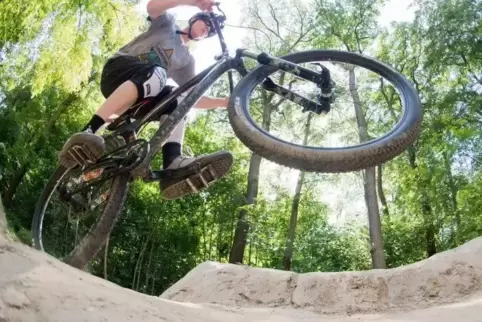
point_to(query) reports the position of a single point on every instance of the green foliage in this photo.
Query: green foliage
(325, 247)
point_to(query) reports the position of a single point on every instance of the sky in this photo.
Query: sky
(346, 199)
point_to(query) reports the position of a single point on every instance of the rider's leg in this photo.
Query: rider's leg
(171, 150)
(116, 104)
(119, 101)
(184, 175)
(125, 81)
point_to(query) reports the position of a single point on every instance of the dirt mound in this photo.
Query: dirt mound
(444, 278)
(37, 287)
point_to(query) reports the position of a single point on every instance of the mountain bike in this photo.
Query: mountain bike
(129, 157)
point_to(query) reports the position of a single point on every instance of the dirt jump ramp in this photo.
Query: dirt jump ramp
(446, 287)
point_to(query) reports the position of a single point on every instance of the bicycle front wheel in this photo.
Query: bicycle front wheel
(358, 156)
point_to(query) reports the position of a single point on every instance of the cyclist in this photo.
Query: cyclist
(140, 70)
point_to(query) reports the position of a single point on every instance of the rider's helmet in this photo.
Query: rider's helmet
(208, 20)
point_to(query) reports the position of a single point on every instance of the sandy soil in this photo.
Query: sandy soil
(444, 278)
(447, 287)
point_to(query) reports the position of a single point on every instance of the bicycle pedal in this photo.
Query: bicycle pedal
(209, 168)
(206, 182)
(82, 155)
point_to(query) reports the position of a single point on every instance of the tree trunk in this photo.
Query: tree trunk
(231, 229)
(288, 254)
(134, 275)
(240, 235)
(381, 194)
(218, 241)
(211, 240)
(3, 220)
(429, 226)
(425, 206)
(388, 247)
(148, 270)
(141, 263)
(425, 201)
(453, 189)
(66, 233)
(250, 250)
(378, 257)
(239, 244)
(14, 184)
(106, 253)
(76, 232)
(153, 280)
(137, 268)
(256, 253)
(205, 246)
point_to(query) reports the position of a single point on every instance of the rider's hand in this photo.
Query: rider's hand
(204, 5)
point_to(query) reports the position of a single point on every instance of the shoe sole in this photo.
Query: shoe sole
(213, 168)
(81, 149)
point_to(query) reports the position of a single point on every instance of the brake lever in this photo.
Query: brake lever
(217, 5)
(326, 96)
(327, 84)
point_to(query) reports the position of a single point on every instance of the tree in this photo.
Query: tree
(353, 25)
(430, 182)
(3, 220)
(278, 40)
(288, 254)
(52, 68)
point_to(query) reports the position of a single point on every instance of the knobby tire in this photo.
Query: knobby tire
(364, 155)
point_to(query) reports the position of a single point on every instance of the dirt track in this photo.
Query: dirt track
(36, 287)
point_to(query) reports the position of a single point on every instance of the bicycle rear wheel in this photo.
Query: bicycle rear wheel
(322, 159)
(68, 198)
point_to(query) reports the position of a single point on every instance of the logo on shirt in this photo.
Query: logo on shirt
(168, 53)
(165, 55)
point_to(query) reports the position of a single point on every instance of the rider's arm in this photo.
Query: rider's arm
(181, 76)
(206, 103)
(155, 8)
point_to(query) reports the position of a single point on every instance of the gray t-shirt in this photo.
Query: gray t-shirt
(161, 44)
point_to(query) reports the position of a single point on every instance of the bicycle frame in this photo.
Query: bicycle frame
(198, 85)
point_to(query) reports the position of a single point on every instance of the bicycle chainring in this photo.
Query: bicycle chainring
(81, 181)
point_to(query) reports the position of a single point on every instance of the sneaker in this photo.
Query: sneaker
(192, 174)
(81, 149)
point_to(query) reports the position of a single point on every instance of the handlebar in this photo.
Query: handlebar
(217, 4)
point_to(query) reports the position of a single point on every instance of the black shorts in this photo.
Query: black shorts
(120, 69)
